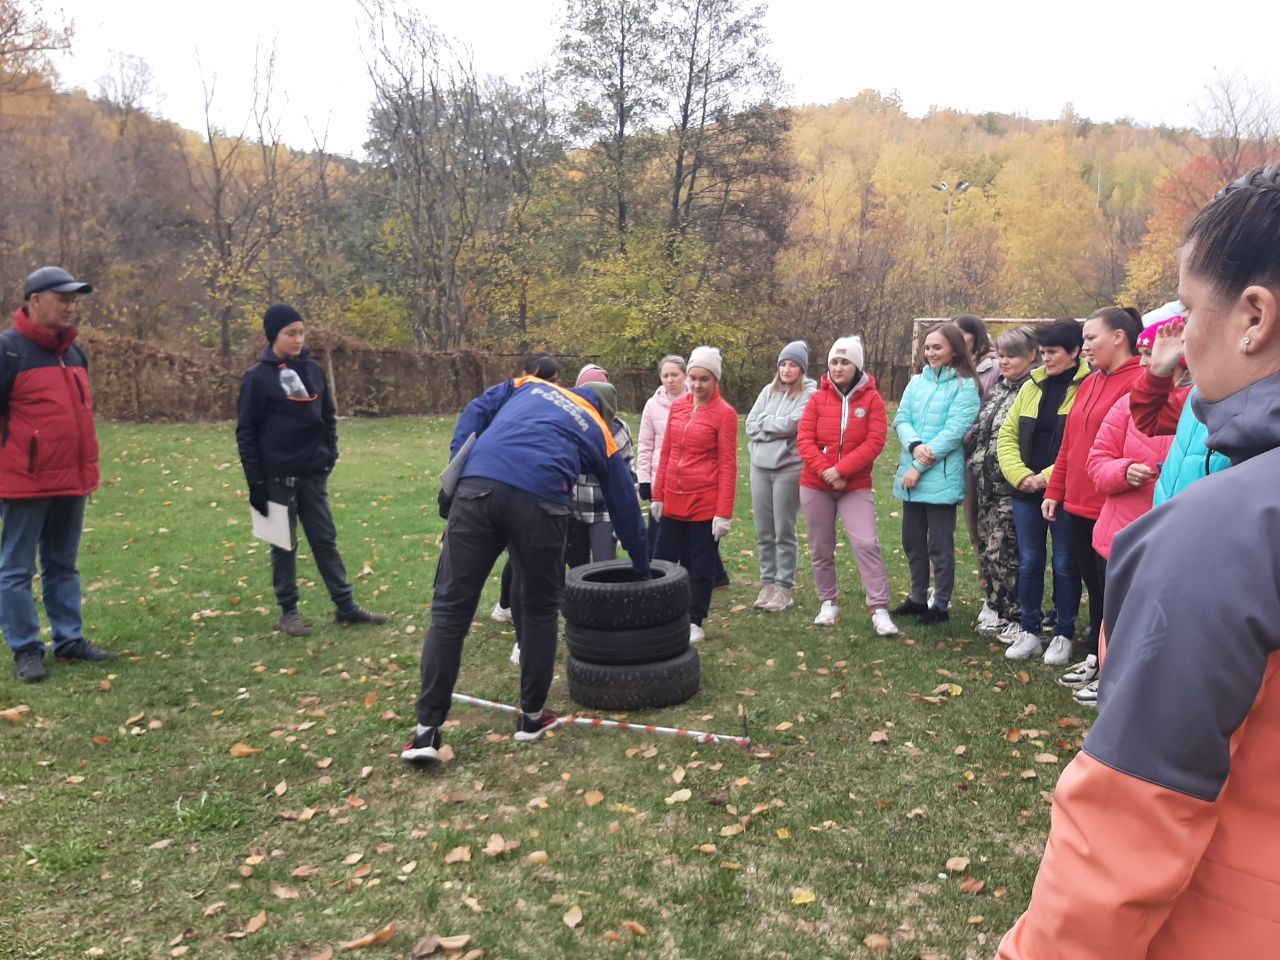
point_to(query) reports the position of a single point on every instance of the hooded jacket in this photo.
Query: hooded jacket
(283, 436)
(937, 408)
(48, 443)
(1013, 446)
(772, 425)
(537, 436)
(1160, 408)
(698, 474)
(845, 431)
(1070, 483)
(984, 457)
(653, 427)
(1119, 445)
(1164, 843)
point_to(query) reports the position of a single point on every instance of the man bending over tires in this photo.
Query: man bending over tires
(533, 438)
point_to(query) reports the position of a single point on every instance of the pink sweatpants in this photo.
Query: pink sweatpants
(857, 512)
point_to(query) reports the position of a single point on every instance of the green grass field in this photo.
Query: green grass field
(129, 829)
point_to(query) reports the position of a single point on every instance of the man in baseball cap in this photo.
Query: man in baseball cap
(48, 468)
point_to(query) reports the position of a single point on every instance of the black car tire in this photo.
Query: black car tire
(635, 687)
(606, 595)
(628, 647)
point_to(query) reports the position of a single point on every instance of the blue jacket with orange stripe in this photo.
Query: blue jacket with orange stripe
(537, 437)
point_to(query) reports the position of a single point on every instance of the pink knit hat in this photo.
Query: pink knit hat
(1147, 338)
(592, 373)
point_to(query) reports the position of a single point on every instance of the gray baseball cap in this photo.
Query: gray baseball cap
(55, 279)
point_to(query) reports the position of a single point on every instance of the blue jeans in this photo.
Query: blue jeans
(51, 525)
(1033, 530)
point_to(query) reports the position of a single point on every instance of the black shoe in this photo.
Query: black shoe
(357, 615)
(909, 608)
(29, 665)
(424, 749)
(84, 650)
(291, 624)
(934, 615)
(529, 729)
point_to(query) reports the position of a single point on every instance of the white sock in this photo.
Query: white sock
(535, 717)
(421, 730)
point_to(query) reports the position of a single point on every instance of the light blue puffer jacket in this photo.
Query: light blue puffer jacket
(937, 409)
(1189, 458)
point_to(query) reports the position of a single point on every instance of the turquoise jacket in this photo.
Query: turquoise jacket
(937, 409)
(1189, 458)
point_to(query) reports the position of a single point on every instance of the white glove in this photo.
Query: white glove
(655, 510)
(720, 527)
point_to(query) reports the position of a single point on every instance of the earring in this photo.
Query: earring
(1244, 345)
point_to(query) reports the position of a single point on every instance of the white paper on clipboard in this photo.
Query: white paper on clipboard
(274, 527)
(453, 472)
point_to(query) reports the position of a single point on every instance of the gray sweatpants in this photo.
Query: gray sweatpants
(929, 537)
(775, 500)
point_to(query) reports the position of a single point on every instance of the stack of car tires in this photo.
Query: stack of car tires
(628, 639)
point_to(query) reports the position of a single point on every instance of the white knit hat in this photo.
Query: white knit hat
(708, 358)
(850, 348)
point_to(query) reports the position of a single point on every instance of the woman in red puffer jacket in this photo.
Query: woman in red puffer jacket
(697, 479)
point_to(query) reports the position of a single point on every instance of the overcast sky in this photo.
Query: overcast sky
(1109, 59)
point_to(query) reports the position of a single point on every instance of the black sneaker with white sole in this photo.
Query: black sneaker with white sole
(424, 749)
(528, 729)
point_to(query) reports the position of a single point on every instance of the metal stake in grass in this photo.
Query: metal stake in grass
(699, 735)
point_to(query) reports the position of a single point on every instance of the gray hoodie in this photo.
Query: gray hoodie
(1193, 610)
(772, 425)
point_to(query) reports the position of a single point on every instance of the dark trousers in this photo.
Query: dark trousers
(589, 541)
(486, 518)
(690, 544)
(308, 500)
(1033, 532)
(929, 537)
(1093, 571)
(504, 596)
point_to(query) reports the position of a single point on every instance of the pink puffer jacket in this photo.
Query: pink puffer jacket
(1118, 445)
(653, 427)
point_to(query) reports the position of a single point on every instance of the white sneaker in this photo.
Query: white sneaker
(500, 614)
(829, 615)
(1010, 633)
(1081, 674)
(696, 633)
(1024, 647)
(767, 596)
(515, 654)
(1059, 652)
(1087, 696)
(781, 600)
(929, 602)
(883, 624)
(993, 628)
(986, 615)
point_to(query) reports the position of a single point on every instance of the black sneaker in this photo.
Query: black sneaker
(424, 749)
(529, 729)
(357, 615)
(934, 615)
(909, 608)
(291, 624)
(29, 665)
(84, 650)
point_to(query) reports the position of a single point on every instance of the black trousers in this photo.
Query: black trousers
(308, 500)
(929, 538)
(486, 518)
(1093, 571)
(690, 544)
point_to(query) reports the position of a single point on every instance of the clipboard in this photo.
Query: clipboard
(274, 527)
(451, 474)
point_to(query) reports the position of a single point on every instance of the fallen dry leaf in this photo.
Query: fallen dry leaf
(732, 830)
(801, 896)
(784, 725)
(164, 844)
(958, 864)
(680, 796)
(409, 867)
(281, 788)
(878, 737)
(613, 936)
(1046, 758)
(374, 939)
(1028, 775)
(593, 797)
(573, 917)
(282, 892)
(877, 943)
(635, 928)
(243, 750)
(213, 909)
(256, 923)
(101, 740)
(324, 763)
(15, 714)
(707, 848)
(971, 885)
(306, 870)
(351, 859)
(677, 775)
(458, 855)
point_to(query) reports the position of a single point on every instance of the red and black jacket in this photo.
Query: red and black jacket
(48, 445)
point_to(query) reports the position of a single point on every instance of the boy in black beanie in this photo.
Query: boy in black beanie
(287, 433)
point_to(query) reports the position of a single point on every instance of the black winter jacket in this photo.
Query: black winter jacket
(282, 436)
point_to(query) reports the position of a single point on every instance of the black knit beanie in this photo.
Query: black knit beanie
(277, 317)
